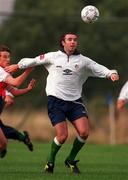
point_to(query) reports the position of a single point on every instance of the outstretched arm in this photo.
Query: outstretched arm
(22, 64)
(18, 92)
(18, 80)
(30, 62)
(25, 63)
(98, 70)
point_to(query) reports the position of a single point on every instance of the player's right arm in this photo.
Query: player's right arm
(29, 62)
(23, 64)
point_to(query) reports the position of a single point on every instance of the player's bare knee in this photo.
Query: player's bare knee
(62, 138)
(3, 145)
(84, 135)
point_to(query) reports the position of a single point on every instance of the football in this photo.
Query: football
(90, 14)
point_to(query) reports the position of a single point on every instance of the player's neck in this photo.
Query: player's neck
(69, 52)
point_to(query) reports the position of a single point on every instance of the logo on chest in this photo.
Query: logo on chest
(67, 72)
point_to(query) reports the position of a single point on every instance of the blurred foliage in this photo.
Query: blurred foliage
(35, 27)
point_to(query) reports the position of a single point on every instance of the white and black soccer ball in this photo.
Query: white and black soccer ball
(90, 14)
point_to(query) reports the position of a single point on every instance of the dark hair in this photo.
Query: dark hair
(62, 37)
(4, 48)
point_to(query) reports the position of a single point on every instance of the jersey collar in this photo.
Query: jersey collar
(76, 52)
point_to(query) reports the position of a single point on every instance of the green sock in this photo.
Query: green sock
(54, 149)
(77, 145)
(21, 136)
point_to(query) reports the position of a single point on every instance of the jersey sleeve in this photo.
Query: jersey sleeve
(97, 70)
(3, 75)
(37, 61)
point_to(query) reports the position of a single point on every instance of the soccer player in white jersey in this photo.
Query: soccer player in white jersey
(68, 70)
(123, 97)
(6, 83)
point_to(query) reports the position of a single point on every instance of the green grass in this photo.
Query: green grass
(97, 162)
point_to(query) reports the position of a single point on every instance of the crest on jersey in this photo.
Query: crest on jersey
(41, 56)
(76, 66)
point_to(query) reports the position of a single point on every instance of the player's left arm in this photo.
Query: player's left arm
(98, 70)
(18, 92)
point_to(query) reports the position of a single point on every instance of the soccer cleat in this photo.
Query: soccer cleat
(3, 153)
(27, 141)
(72, 165)
(49, 167)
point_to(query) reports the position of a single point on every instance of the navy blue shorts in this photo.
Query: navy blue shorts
(60, 110)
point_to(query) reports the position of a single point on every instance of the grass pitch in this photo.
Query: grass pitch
(97, 162)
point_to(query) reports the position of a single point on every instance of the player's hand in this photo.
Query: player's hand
(12, 68)
(31, 84)
(9, 101)
(114, 77)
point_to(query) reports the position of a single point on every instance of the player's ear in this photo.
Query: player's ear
(62, 42)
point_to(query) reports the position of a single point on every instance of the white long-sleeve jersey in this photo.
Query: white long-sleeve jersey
(3, 85)
(67, 74)
(123, 95)
(3, 75)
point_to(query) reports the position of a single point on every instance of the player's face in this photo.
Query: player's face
(4, 58)
(70, 43)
